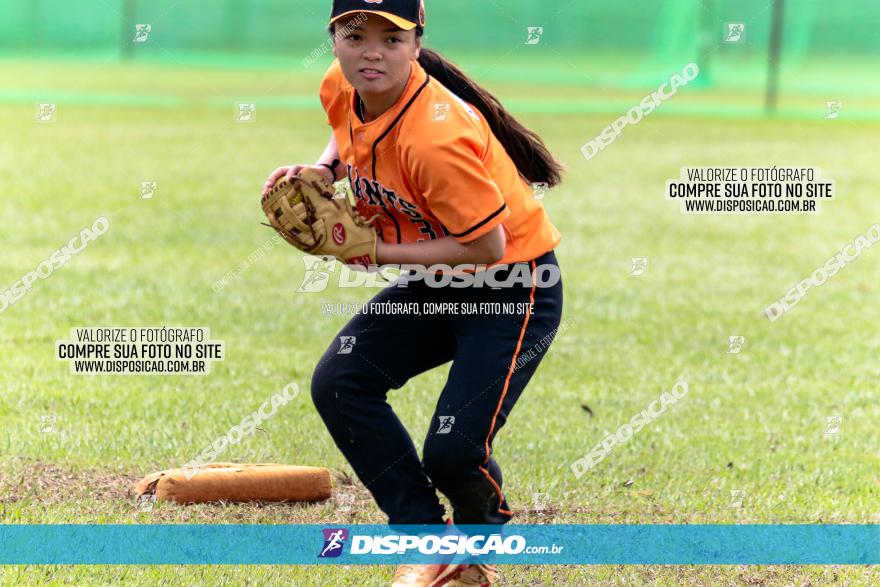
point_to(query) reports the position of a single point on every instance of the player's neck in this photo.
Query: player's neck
(377, 104)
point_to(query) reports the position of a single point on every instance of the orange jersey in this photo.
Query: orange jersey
(431, 167)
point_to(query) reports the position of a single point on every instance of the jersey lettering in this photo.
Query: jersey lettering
(375, 198)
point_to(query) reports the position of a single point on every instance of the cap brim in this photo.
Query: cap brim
(399, 22)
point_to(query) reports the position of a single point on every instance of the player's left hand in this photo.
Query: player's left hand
(304, 211)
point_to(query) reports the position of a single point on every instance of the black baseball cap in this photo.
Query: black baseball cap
(407, 14)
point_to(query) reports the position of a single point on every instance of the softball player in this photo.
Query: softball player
(450, 174)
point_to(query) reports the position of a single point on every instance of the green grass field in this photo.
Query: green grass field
(752, 423)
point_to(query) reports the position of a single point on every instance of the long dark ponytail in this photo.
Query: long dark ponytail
(532, 158)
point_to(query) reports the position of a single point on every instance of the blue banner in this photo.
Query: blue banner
(556, 544)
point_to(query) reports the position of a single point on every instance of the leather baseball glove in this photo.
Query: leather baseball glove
(304, 211)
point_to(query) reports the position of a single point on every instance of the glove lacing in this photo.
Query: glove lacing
(360, 220)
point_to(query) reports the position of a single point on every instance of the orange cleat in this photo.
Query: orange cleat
(426, 575)
(478, 574)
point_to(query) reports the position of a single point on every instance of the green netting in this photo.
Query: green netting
(626, 43)
(271, 25)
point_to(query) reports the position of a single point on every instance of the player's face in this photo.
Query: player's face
(375, 55)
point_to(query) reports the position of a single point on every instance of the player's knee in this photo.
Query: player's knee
(437, 463)
(323, 390)
(447, 457)
(333, 382)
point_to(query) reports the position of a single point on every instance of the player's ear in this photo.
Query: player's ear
(418, 48)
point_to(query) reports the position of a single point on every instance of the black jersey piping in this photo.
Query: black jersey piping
(396, 120)
(382, 136)
(481, 223)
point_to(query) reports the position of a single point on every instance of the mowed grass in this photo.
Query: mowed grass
(752, 423)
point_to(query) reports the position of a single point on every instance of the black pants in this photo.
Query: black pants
(493, 357)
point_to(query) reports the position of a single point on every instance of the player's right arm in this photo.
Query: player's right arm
(330, 154)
